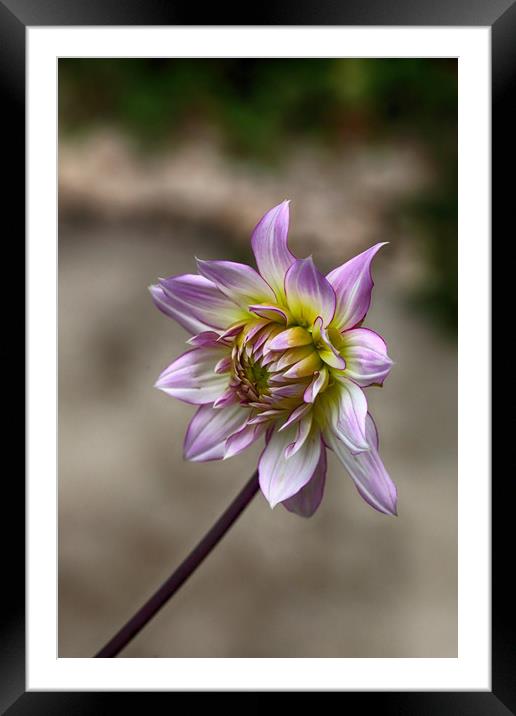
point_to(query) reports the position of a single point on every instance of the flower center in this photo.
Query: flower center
(250, 377)
(257, 375)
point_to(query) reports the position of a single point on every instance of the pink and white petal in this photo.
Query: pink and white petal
(296, 415)
(223, 365)
(303, 431)
(171, 309)
(195, 297)
(353, 284)
(328, 352)
(252, 329)
(347, 413)
(290, 338)
(192, 376)
(308, 293)
(367, 471)
(305, 502)
(318, 384)
(228, 397)
(263, 335)
(271, 313)
(290, 390)
(293, 355)
(334, 360)
(241, 283)
(232, 331)
(367, 362)
(269, 242)
(305, 367)
(282, 477)
(205, 338)
(209, 429)
(244, 437)
(265, 416)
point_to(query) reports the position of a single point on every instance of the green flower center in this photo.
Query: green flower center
(257, 375)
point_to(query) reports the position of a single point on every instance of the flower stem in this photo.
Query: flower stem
(181, 574)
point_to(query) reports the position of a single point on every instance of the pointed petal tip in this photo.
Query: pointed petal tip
(230, 451)
(390, 509)
(353, 284)
(270, 246)
(272, 502)
(188, 455)
(159, 383)
(200, 263)
(393, 506)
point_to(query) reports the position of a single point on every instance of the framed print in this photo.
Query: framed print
(166, 162)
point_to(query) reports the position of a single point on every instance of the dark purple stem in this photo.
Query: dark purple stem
(181, 574)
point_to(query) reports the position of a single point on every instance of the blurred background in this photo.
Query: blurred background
(161, 160)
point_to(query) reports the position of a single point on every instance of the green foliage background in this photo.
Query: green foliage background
(262, 106)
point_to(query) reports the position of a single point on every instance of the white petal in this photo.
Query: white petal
(282, 477)
(209, 429)
(192, 376)
(367, 470)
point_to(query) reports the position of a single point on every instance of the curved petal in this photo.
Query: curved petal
(209, 429)
(293, 355)
(318, 384)
(265, 417)
(305, 502)
(271, 313)
(367, 471)
(192, 376)
(365, 352)
(328, 352)
(296, 415)
(290, 338)
(269, 242)
(244, 437)
(309, 294)
(304, 427)
(334, 361)
(228, 397)
(346, 413)
(282, 477)
(205, 338)
(241, 283)
(224, 364)
(304, 367)
(171, 309)
(194, 297)
(353, 284)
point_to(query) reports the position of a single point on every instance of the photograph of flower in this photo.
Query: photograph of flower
(288, 360)
(297, 221)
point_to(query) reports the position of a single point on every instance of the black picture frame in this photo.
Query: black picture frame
(15, 17)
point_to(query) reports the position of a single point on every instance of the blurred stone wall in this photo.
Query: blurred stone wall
(338, 195)
(347, 583)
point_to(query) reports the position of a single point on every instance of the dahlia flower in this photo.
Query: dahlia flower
(281, 353)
